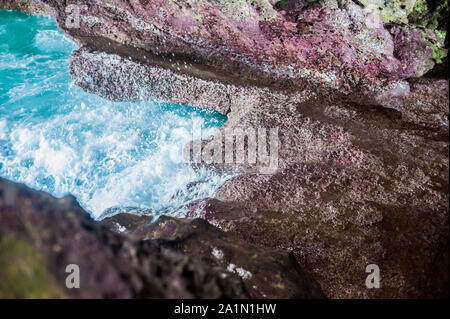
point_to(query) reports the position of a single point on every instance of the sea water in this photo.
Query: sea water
(56, 138)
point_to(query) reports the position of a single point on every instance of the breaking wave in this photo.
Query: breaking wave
(57, 138)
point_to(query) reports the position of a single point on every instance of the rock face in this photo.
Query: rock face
(362, 163)
(41, 235)
(267, 273)
(341, 47)
(30, 6)
(354, 186)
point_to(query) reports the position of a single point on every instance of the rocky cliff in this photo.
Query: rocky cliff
(41, 235)
(359, 93)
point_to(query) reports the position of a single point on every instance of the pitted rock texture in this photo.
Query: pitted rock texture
(354, 186)
(29, 6)
(362, 175)
(340, 46)
(430, 14)
(266, 273)
(40, 235)
(99, 72)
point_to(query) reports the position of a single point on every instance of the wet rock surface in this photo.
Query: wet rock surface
(40, 235)
(266, 273)
(343, 47)
(354, 186)
(29, 6)
(362, 115)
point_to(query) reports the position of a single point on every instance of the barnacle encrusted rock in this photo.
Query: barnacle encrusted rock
(361, 106)
(41, 235)
(266, 273)
(29, 6)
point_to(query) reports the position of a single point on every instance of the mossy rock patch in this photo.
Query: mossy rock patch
(23, 272)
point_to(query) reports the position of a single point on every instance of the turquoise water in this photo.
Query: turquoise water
(57, 138)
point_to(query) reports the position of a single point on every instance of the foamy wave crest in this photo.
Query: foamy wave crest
(108, 156)
(57, 138)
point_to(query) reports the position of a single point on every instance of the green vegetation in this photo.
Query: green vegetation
(23, 272)
(430, 14)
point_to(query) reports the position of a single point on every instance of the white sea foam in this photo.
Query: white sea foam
(57, 138)
(108, 156)
(51, 40)
(3, 131)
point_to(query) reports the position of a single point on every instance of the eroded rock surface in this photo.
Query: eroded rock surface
(40, 235)
(29, 6)
(342, 47)
(354, 186)
(266, 273)
(362, 174)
